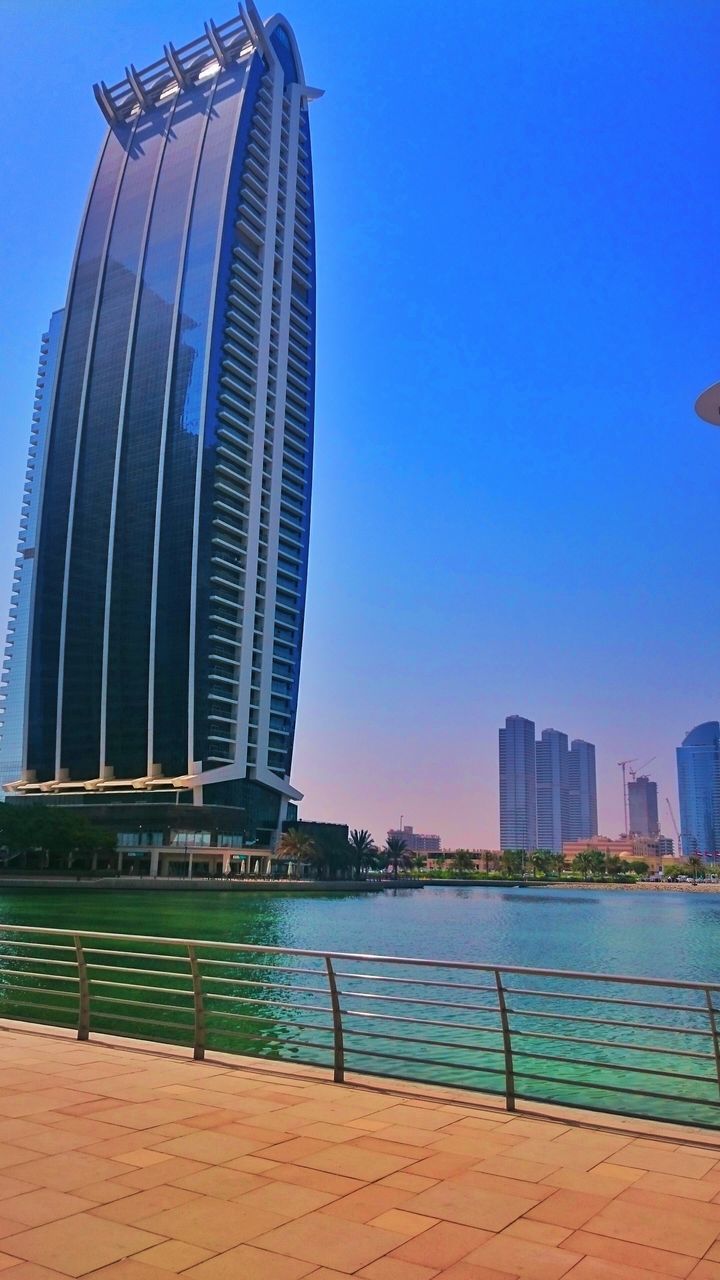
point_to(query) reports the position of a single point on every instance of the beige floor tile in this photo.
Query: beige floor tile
(315, 1178)
(542, 1232)
(664, 1161)
(405, 1224)
(677, 1231)
(13, 1187)
(283, 1199)
(523, 1258)
(206, 1145)
(157, 1174)
(173, 1256)
(672, 1184)
(220, 1181)
(568, 1208)
(442, 1245)
(128, 1269)
(104, 1192)
(294, 1149)
(70, 1169)
(594, 1181)
(27, 1104)
(407, 1182)
(146, 1115)
(30, 1271)
(455, 1201)
(353, 1162)
(208, 1222)
(706, 1271)
(658, 1261)
(142, 1204)
(367, 1203)
(44, 1205)
(249, 1263)
(315, 1238)
(389, 1268)
(80, 1244)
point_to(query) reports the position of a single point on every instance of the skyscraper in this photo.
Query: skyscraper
(582, 806)
(698, 766)
(643, 807)
(518, 814)
(165, 615)
(553, 791)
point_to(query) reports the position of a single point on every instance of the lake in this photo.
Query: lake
(660, 935)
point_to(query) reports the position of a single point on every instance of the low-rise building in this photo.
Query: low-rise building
(416, 841)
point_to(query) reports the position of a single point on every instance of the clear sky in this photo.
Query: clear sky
(515, 509)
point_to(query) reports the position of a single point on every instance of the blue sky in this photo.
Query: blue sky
(515, 509)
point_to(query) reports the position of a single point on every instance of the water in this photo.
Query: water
(660, 935)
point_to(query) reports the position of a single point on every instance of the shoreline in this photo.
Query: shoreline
(167, 883)
(643, 885)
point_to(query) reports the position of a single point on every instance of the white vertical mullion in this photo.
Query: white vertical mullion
(164, 426)
(78, 441)
(261, 394)
(278, 431)
(197, 792)
(129, 352)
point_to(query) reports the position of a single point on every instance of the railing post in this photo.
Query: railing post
(712, 1015)
(338, 1043)
(507, 1045)
(199, 1036)
(83, 1032)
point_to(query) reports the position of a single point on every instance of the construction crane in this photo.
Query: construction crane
(623, 764)
(678, 837)
(634, 772)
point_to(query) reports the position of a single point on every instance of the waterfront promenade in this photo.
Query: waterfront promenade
(120, 1161)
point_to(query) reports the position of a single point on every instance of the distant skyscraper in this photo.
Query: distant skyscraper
(643, 807)
(518, 812)
(698, 765)
(582, 807)
(553, 793)
(159, 648)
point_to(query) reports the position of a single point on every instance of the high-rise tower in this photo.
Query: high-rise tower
(553, 795)
(698, 766)
(518, 814)
(643, 806)
(582, 809)
(168, 595)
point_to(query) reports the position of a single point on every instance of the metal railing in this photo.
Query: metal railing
(631, 1045)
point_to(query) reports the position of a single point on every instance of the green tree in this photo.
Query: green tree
(614, 865)
(395, 852)
(462, 862)
(363, 851)
(512, 863)
(541, 861)
(639, 866)
(696, 867)
(298, 847)
(590, 863)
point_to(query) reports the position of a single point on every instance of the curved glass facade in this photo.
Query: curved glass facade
(698, 764)
(171, 564)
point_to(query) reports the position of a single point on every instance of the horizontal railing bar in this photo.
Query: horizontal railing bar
(51, 1008)
(308, 1044)
(259, 1017)
(138, 986)
(35, 960)
(46, 977)
(14, 986)
(617, 1044)
(416, 982)
(157, 1022)
(438, 1004)
(623, 1089)
(275, 986)
(153, 973)
(473, 1088)
(422, 1022)
(642, 1004)
(135, 955)
(247, 964)
(370, 958)
(608, 1022)
(430, 1062)
(44, 946)
(144, 1004)
(440, 1044)
(272, 1004)
(611, 1066)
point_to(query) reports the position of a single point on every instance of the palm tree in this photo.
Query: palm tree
(463, 862)
(697, 866)
(297, 846)
(363, 850)
(395, 851)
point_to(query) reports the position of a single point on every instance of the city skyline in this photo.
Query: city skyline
(481, 536)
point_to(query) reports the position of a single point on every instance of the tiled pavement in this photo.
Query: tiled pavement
(121, 1162)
